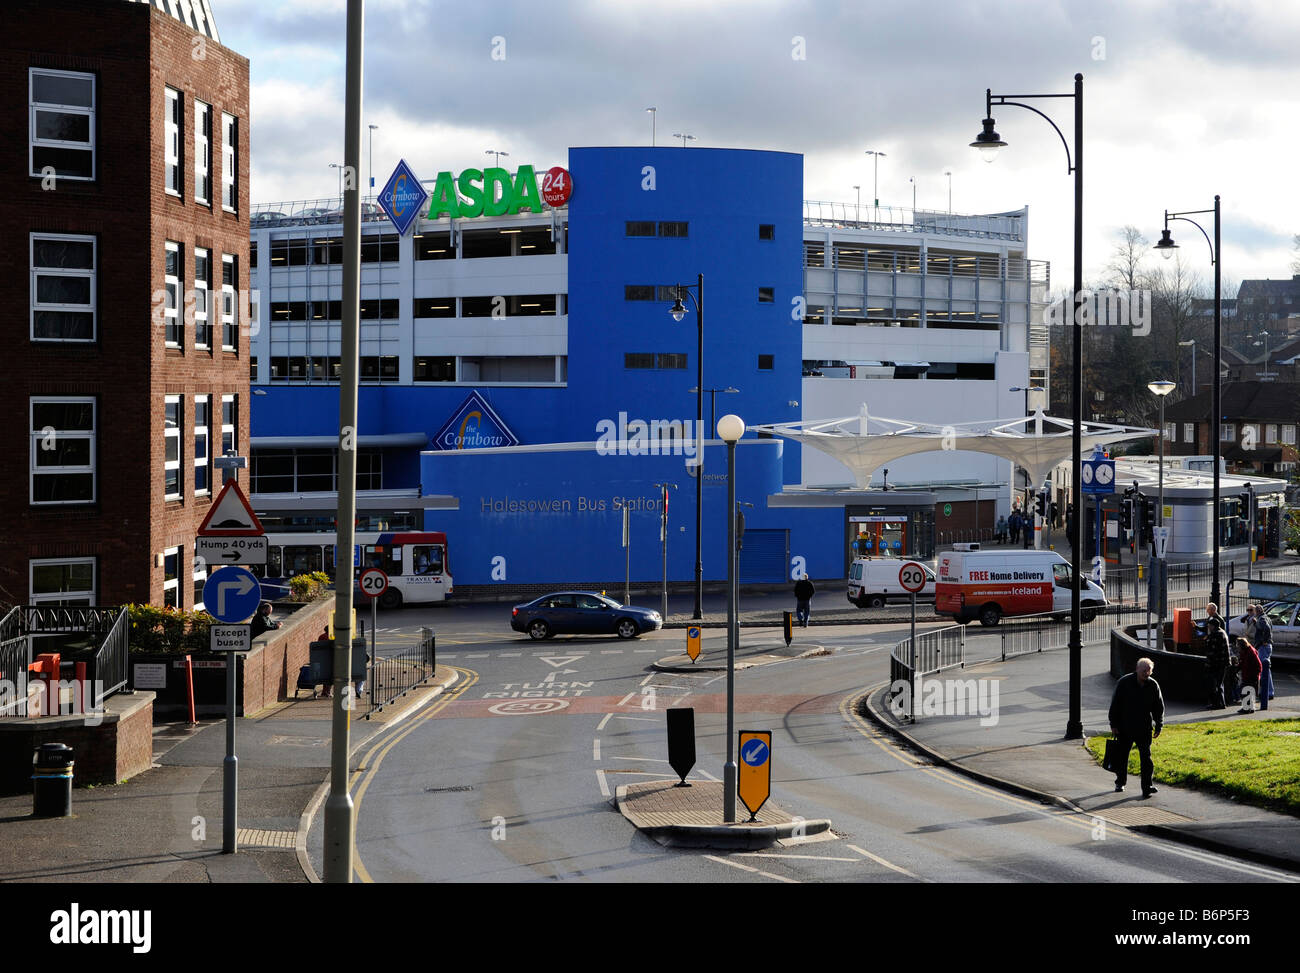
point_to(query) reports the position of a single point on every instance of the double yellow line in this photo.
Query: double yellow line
(370, 763)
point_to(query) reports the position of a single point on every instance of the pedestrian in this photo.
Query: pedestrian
(1262, 639)
(1069, 524)
(1136, 705)
(1216, 664)
(1056, 515)
(262, 621)
(1002, 530)
(1014, 524)
(1248, 662)
(803, 593)
(1248, 624)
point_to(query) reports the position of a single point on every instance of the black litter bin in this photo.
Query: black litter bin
(52, 781)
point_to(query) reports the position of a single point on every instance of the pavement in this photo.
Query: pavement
(165, 825)
(1022, 750)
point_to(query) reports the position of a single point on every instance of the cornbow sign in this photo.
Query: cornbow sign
(475, 425)
(402, 197)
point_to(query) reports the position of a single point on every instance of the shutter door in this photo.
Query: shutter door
(764, 556)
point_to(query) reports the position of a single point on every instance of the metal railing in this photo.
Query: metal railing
(400, 670)
(109, 671)
(15, 657)
(965, 535)
(899, 219)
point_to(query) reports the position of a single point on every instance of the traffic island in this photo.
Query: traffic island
(762, 655)
(691, 817)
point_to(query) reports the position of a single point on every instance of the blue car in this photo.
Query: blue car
(582, 613)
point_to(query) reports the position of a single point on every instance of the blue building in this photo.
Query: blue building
(525, 384)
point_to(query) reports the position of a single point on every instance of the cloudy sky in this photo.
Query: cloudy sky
(1183, 99)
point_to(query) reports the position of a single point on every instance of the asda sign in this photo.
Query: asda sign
(494, 192)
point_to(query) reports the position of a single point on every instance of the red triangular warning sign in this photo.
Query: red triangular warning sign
(230, 515)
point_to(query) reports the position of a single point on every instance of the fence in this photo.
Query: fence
(398, 671)
(108, 668)
(108, 674)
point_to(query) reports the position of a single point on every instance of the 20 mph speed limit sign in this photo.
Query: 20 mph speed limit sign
(373, 582)
(912, 576)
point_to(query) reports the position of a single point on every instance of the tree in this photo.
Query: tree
(1295, 261)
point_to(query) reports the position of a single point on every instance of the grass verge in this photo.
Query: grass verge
(1255, 761)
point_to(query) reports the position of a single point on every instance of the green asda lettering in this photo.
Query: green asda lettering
(485, 192)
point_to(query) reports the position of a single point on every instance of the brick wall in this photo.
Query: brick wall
(271, 670)
(133, 51)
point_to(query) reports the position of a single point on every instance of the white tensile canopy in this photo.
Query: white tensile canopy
(1038, 443)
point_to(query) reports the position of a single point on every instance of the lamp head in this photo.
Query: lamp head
(1161, 387)
(988, 141)
(1166, 246)
(731, 428)
(678, 310)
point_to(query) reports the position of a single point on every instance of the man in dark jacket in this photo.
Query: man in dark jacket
(803, 592)
(1216, 663)
(1136, 705)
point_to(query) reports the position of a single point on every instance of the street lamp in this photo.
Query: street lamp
(678, 311)
(654, 116)
(498, 154)
(1026, 389)
(875, 178)
(683, 137)
(948, 173)
(339, 166)
(857, 206)
(1192, 343)
(713, 401)
(730, 429)
(372, 160)
(988, 142)
(1167, 246)
(1160, 388)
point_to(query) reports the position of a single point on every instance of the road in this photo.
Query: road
(507, 777)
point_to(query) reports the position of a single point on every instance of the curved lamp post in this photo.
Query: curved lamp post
(730, 429)
(1167, 246)
(678, 311)
(988, 142)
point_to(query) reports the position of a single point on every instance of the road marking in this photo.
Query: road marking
(677, 702)
(370, 763)
(645, 650)
(647, 679)
(447, 655)
(880, 861)
(623, 701)
(528, 707)
(815, 858)
(605, 719)
(555, 661)
(708, 776)
(595, 749)
(643, 719)
(476, 655)
(611, 651)
(604, 785)
(750, 868)
(511, 655)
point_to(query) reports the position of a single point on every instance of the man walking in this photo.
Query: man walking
(803, 593)
(1216, 663)
(1136, 705)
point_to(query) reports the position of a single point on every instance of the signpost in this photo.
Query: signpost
(912, 577)
(693, 641)
(373, 583)
(754, 781)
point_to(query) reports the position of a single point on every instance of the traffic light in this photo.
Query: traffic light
(740, 529)
(1246, 504)
(1040, 505)
(1126, 513)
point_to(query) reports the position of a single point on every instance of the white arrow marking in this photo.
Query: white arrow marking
(243, 586)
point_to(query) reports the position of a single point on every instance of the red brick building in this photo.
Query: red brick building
(123, 267)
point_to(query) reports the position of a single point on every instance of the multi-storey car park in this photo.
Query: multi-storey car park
(523, 382)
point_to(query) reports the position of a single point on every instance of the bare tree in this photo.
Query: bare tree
(1295, 261)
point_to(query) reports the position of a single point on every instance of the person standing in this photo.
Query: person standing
(1002, 530)
(1262, 639)
(1216, 664)
(1135, 707)
(1248, 661)
(1014, 525)
(803, 594)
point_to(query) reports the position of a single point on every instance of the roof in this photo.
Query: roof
(195, 14)
(1255, 289)
(1279, 401)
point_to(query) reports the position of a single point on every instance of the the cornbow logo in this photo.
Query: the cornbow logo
(475, 425)
(402, 197)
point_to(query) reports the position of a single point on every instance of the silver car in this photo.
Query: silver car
(1286, 628)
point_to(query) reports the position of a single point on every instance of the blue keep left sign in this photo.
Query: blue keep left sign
(232, 594)
(754, 752)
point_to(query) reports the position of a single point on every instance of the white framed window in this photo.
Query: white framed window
(63, 287)
(172, 447)
(229, 156)
(202, 152)
(1227, 432)
(199, 575)
(61, 105)
(172, 129)
(229, 424)
(1288, 435)
(202, 447)
(69, 581)
(172, 276)
(1270, 433)
(62, 449)
(202, 297)
(1189, 432)
(171, 577)
(229, 281)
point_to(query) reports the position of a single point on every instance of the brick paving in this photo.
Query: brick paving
(658, 804)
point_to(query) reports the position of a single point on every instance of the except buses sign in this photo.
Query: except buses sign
(493, 192)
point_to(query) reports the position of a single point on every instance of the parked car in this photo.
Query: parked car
(267, 216)
(582, 613)
(873, 581)
(1286, 628)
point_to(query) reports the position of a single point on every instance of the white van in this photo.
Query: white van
(874, 580)
(989, 584)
